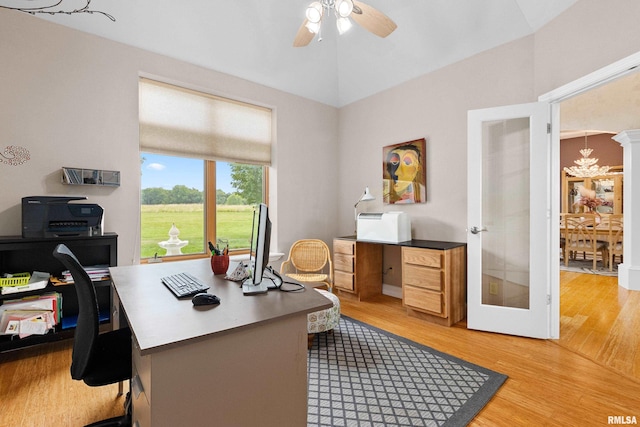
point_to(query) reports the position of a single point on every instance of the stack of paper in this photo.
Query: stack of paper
(95, 272)
(30, 315)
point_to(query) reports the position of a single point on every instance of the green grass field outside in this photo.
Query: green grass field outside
(234, 223)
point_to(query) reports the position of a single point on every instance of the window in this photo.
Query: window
(204, 168)
(205, 200)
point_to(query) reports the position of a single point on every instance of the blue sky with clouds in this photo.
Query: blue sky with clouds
(167, 171)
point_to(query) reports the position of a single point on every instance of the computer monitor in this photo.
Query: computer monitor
(259, 256)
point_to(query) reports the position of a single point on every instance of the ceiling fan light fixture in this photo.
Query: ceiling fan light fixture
(313, 27)
(344, 8)
(343, 25)
(314, 12)
(346, 12)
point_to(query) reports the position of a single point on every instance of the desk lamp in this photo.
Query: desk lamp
(365, 197)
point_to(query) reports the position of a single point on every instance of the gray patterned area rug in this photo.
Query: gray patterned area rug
(363, 376)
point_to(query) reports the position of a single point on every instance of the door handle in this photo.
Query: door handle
(476, 230)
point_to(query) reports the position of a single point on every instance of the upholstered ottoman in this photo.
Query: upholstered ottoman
(323, 320)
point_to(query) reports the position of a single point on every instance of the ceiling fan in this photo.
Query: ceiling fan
(366, 16)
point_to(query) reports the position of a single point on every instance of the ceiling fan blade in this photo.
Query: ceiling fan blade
(373, 20)
(304, 36)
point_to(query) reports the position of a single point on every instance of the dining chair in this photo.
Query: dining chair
(614, 224)
(581, 235)
(562, 239)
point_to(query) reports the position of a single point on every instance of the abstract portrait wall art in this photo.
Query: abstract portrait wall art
(404, 173)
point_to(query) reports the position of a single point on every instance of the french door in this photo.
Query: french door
(509, 210)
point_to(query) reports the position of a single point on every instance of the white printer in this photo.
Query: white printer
(389, 227)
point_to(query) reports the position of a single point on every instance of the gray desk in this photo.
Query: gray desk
(241, 363)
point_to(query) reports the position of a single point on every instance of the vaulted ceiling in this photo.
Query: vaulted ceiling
(253, 39)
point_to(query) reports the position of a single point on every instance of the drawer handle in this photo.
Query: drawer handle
(136, 386)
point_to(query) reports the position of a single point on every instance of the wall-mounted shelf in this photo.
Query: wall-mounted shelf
(80, 176)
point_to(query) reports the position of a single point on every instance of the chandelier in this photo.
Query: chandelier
(586, 167)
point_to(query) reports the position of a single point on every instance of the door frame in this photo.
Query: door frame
(590, 81)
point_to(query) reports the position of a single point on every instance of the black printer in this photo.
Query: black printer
(52, 216)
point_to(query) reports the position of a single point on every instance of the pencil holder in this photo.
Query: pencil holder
(219, 264)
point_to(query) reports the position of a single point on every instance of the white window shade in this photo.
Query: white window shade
(183, 122)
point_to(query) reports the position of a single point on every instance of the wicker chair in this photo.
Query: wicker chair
(309, 261)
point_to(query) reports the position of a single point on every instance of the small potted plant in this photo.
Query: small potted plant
(219, 256)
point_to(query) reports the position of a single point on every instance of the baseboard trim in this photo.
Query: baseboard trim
(392, 291)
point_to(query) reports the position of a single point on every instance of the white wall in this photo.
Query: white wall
(613, 107)
(589, 35)
(586, 37)
(71, 99)
(435, 107)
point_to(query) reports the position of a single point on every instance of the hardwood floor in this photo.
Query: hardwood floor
(601, 321)
(549, 383)
(591, 373)
(36, 390)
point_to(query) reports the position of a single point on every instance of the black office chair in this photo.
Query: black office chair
(97, 359)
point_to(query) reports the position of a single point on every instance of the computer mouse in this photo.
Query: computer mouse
(205, 299)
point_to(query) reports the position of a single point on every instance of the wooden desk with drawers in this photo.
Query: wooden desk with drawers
(433, 275)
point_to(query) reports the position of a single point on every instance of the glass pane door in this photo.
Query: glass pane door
(505, 212)
(508, 245)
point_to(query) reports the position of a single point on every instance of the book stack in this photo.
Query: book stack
(95, 272)
(34, 315)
